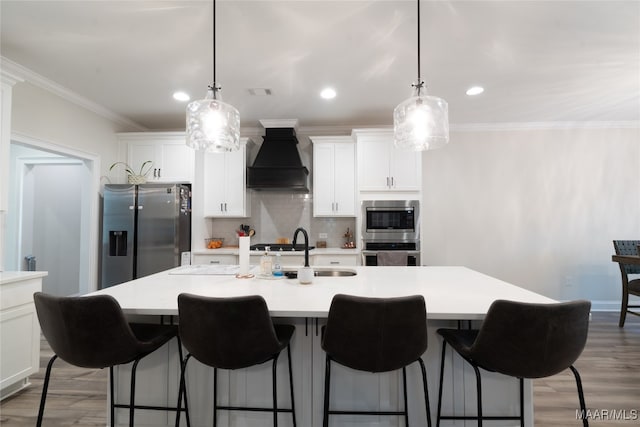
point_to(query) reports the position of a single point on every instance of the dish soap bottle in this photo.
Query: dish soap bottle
(266, 263)
(277, 267)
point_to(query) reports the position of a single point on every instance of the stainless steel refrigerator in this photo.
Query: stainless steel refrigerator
(145, 229)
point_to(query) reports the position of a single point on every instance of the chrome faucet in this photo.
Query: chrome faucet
(306, 244)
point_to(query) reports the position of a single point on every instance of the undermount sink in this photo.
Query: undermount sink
(292, 274)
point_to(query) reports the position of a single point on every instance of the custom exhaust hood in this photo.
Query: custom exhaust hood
(278, 165)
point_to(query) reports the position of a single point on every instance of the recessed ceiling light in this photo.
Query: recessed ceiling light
(328, 93)
(181, 96)
(475, 90)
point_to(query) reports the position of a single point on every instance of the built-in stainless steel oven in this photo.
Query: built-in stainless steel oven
(390, 225)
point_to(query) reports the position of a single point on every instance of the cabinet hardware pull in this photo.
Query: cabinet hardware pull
(392, 183)
(154, 172)
(214, 262)
(334, 262)
(158, 172)
(387, 181)
(225, 207)
(221, 210)
(337, 207)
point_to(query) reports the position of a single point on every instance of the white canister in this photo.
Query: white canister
(305, 275)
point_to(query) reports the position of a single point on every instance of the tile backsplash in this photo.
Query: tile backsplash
(277, 215)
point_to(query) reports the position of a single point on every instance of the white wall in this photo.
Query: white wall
(45, 116)
(537, 208)
(63, 126)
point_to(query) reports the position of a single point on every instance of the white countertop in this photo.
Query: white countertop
(449, 292)
(18, 276)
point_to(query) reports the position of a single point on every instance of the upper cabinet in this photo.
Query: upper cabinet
(225, 183)
(172, 160)
(334, 176)
(382, 167)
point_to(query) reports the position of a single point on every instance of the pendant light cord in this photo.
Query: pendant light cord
(214, 43)
(418, 1)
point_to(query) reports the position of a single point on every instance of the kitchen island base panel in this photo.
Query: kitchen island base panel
(158, 377)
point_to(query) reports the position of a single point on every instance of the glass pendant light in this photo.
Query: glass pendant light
(213, 125)
(421, 122)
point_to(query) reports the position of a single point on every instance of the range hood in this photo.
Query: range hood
(278, 165)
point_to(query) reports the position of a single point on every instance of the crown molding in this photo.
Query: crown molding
(9, 78)
(501, 127)
(280, 123)
(64, 93)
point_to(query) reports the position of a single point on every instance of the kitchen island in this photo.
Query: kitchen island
(451, 294)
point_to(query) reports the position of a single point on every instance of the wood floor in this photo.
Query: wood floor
(609, 366)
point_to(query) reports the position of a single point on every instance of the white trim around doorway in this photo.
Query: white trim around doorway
(90, 241)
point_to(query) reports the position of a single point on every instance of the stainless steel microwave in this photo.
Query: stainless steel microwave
(391, 220)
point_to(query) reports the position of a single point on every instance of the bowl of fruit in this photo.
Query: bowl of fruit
(214, 242)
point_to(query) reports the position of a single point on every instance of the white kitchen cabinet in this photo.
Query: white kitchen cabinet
(172, 160)
(335, 260)
(334, 177)
(382, 167)
(19, 330)
(221, 259)
(225, 184)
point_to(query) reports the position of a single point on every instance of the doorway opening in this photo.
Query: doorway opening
(52, 220)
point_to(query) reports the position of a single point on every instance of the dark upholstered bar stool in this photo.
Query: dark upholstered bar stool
(233, 333)
(92, 332)
(375, 335)
(521, 340)
(629, 287)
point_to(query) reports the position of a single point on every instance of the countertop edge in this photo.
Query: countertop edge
(7, 277)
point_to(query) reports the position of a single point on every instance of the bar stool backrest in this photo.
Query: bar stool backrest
(376, 334)
(227, 333)
(89, 332)
(527, 340)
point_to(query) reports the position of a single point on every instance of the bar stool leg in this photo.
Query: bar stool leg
(479, 394)
(406, 400)
(521, 402)
(426, 391)
(583, 406)
(45, 387)
(275, 391)
(133, 392)
(182, 388)
(112, 407)
(293, 407)
(327, 375)
(215, 397)
(444, 348)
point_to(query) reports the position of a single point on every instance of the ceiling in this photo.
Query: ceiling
(539, 61)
